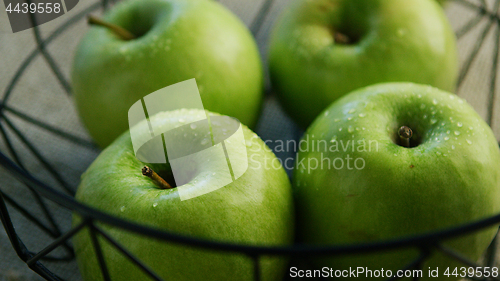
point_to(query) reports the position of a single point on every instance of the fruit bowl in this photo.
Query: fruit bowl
(44, 149)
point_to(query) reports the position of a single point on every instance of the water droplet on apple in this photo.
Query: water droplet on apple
(362, 115)
(350, 129)
(363, 128)
(456, 133)
(349, 118)
(446, 138)
(460, 101)
(433, 121)
(122, 208)
(419, 96)
(352, 110)
(448, 132)
(204, 141)
(181, 120)
(422, 106)
(155, 204)
(336, 120)
(326, 113)
(468, 141)
(395, 154)
(340, 129)
(434, 101)
(438, 153)
(452, 147)
(425, 116)
(192, 126)
(213, 174)
(334, 139)
(459, 124)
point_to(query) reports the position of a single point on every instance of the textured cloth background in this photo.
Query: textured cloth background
(40, 95)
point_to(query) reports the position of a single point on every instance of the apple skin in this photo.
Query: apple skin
(186, 39)
(452, 177)
(398, 41)
(255, 209)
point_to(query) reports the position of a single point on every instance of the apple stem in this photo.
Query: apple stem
(146, 171)
(118, 30)
(405, 133)
(341, 38)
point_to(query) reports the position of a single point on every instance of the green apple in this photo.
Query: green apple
(176, 40)
(255, 209)
(321, 50)
(356, 180)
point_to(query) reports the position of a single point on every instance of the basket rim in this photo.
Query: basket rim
(422, 241)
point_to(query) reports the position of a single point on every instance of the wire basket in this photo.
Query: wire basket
(42, 155)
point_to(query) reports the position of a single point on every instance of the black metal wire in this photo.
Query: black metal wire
(50, 61)
(19, 246)
(469, 25)
(423, 242)
(54, 231)
(256, 267)
(58, 242)
(493, 76)
(492, 252)
(57, 176)
(414, 264)
(98, 252)
(479, 43)
(56, 131)
(29, 59)
(129, 255)
(256, 24)
(39, 200)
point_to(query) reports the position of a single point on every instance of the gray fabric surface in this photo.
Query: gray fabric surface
(39, 95)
